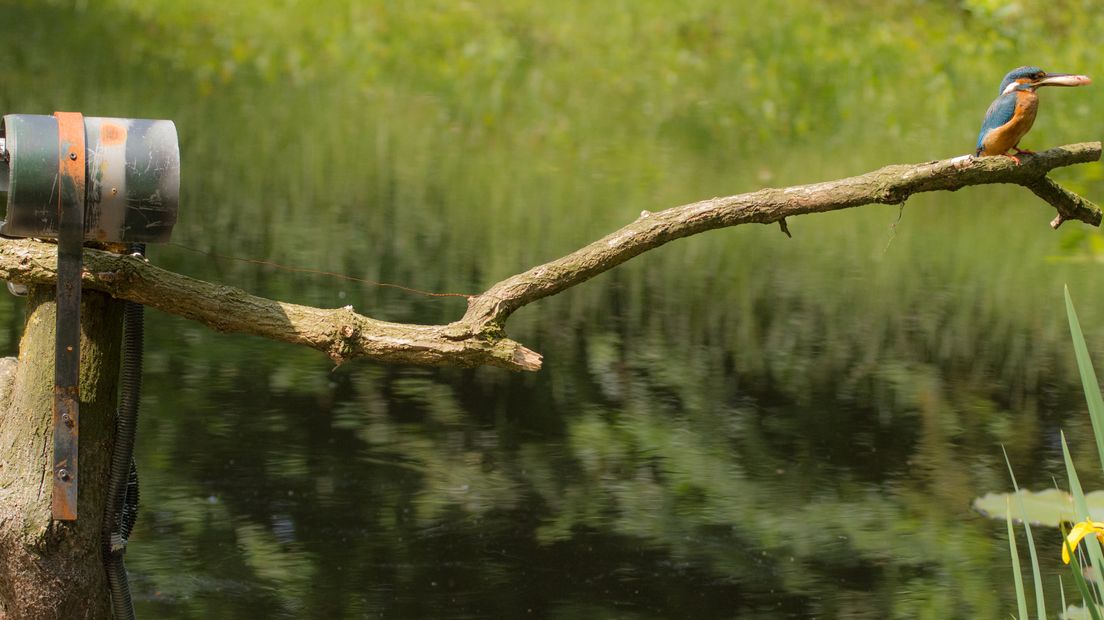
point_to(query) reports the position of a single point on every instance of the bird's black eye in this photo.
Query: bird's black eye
(1038, 76)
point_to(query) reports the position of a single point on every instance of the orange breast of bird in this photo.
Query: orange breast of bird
(1003, 138)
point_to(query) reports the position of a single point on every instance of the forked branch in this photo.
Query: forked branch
(478, 337)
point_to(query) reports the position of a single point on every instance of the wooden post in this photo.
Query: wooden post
(53, 569)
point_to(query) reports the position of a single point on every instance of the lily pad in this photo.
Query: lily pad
(1049, 507)
(1074, 612)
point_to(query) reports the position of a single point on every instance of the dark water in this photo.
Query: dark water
(277, 488)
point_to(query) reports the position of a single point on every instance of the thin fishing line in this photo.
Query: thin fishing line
(893, 228)
(320, 272)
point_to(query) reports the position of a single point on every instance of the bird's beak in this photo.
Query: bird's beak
(1062, 79)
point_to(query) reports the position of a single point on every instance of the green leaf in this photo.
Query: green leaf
(1047, 507)
(1021, 598)
(1088, 377)
(1036, 574)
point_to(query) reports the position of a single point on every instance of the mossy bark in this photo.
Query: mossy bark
(53, 569)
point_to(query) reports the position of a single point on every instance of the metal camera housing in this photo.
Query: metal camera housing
(132, 178)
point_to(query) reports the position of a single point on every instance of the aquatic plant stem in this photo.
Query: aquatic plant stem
(478, 338)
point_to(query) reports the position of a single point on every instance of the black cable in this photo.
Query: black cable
(122, 491)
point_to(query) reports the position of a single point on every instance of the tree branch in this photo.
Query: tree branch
(478, 338)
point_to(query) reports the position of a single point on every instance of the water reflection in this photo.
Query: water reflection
(657, 489)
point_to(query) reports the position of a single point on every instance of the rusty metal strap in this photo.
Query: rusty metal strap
(71, 197)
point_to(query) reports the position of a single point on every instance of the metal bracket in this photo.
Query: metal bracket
(71, 198)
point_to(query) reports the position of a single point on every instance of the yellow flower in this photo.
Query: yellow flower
(1078, 532)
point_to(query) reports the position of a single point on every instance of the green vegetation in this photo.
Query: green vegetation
(1074, 507)
(1090, 589)
(736, 423)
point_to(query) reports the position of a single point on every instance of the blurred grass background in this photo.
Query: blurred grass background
(445, 145)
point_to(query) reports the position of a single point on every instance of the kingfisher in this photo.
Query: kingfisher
(1011, 115)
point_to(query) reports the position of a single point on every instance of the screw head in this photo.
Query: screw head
(73, 156)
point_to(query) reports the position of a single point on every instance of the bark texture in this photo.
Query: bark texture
(478, 338)
(53, 569)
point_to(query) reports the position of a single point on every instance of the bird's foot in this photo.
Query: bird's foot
(1020, 151)
(1012, 157)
